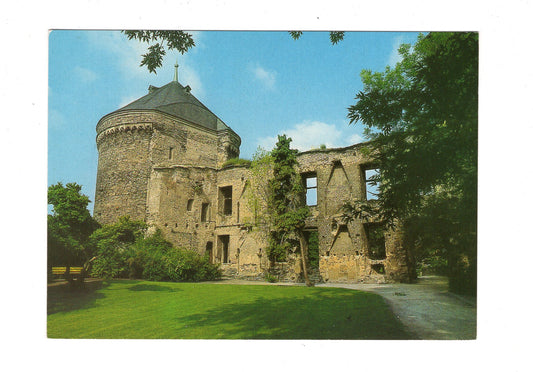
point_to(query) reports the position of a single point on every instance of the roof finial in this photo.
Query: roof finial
(176, 70)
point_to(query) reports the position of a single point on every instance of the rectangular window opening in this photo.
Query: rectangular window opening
(170, 152)
(209, 251)
(310, 183)
(375, 236)
(225, 200)
(223, 242)
(205, 212)
(371, 183)
(189, 204)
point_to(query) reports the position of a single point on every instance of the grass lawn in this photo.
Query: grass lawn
(144, 310)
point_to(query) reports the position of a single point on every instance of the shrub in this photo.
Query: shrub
(271, 278)
(113, 245)
(112, 262)
(236, 161)
(123, 253)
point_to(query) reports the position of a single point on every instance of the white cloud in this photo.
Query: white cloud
(127, 100)
(311, 134)
(188, 76)
(127, 53)
(355, 138)
(85, 75)
(394, 56)
(128, 56)
(267, 78)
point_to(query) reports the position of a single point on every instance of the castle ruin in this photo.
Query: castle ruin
(161, 160)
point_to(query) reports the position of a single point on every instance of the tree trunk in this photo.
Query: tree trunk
(303, 254)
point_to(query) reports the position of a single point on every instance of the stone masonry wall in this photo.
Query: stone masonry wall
(124, 168)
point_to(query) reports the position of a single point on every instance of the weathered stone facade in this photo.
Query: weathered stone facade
(161, 160)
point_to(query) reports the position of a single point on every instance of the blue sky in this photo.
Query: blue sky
(259, 83)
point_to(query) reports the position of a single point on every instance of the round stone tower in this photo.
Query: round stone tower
(168, 127)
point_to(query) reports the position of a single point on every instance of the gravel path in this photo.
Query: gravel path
(426, 308)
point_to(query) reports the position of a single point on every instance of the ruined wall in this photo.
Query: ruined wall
(228, 146)
(175, 204)
(344, 247)
(186, 203)
(246, 244)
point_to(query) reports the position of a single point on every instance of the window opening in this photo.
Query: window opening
(225, 197)
(189, 204)
(224, 247)
(209, 251)
(375, 235)
(170, 151)
(310, 189)
(205, 212)
(371, 185)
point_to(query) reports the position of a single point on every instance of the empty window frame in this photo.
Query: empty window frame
(375, 237)
(223, 241)
(310, 185)
(209, 251)
(204, 216)
(371, 184)
(189, 204)
(225, 200)
(170, 153)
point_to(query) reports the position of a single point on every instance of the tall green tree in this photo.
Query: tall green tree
(69, 225)
(422, 118)
(288, 212)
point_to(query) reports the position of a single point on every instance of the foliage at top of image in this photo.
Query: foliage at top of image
(172, 40)
(160, 40)
(334, 36)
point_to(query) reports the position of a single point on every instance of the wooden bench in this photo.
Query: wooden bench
(74, 272)
(62, 270)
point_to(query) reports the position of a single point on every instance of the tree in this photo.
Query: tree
(285, 204)
(422, 118)
(69, 225)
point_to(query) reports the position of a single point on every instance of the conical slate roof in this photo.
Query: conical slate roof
(176, 100)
